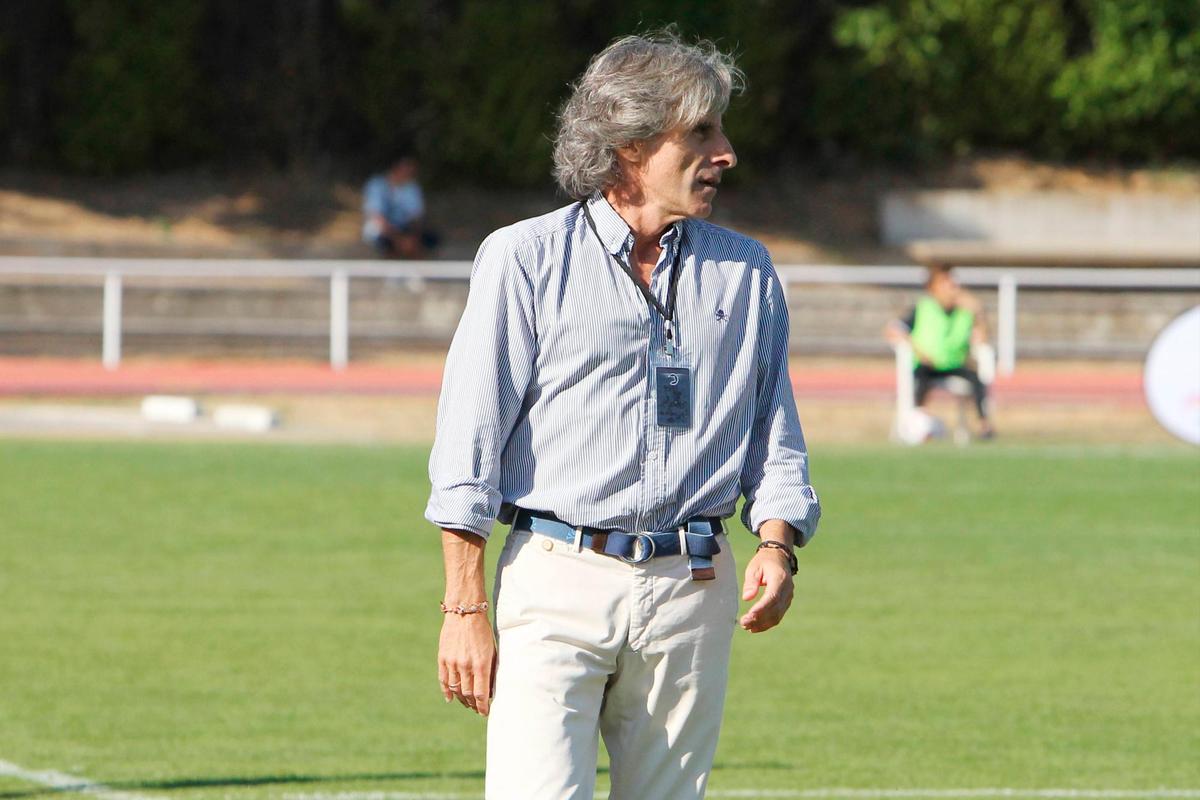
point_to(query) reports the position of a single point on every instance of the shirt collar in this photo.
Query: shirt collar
(616, 234)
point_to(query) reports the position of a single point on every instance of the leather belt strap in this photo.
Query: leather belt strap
(696, 539)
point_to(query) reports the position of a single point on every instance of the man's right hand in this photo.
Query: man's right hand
(467, 660)
(466, 649)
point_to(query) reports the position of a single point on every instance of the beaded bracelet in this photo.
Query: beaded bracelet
(783, 548)
(461, 610)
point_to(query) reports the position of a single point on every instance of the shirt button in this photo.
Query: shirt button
(547, 545)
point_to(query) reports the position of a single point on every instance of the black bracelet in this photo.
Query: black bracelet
(783, 548)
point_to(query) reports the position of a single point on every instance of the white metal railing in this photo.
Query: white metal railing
(339, 273)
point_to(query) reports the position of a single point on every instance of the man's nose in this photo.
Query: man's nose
(723, 155)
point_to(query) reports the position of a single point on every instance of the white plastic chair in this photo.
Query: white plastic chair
(985, 362)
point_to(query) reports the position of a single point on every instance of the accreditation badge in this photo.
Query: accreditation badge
(673, 390)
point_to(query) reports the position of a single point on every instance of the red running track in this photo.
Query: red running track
(87, 378)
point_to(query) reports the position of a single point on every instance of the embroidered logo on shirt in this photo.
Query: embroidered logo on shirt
(720, 315)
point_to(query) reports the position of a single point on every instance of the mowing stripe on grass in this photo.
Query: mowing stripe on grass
(62, 782)
(832, 793)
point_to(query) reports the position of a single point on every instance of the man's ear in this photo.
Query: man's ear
(632, 153)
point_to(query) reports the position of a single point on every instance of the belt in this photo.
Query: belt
(697, 539)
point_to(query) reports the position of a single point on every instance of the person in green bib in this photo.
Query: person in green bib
(941, 328)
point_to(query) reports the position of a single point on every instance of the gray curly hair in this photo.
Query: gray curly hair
(633, 90)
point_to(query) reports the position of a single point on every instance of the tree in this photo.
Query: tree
(1136, 91)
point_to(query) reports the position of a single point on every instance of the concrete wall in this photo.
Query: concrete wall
(1042, 218)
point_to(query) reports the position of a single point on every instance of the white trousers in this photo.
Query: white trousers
(589, 646)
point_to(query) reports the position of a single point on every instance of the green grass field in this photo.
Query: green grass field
(253, 621)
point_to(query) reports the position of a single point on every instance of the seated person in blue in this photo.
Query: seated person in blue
(941, 328)
(394, 212)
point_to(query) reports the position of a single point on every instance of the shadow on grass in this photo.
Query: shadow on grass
(169, 784)
(233, 781)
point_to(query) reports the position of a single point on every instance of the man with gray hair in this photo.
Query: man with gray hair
(618, 379)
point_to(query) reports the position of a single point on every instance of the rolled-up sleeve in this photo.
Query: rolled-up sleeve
(375, 196)
(775, 475)
(488, 369)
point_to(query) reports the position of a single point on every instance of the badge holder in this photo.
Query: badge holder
(673, 389)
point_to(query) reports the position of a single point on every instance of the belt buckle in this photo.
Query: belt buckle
(643, 549)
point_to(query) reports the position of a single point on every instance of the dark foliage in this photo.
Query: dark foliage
(118, 86)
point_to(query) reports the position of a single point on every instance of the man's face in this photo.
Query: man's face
(943, 289)
(679, 171)
(403, 171)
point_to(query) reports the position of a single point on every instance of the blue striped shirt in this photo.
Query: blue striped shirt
(546, 401)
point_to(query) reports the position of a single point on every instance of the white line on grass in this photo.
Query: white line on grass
(833, 793)
(62, 782)
(934, 794)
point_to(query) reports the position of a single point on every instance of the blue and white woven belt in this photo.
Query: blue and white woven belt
(697, 539)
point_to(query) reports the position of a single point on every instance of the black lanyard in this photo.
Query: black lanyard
(668, 312)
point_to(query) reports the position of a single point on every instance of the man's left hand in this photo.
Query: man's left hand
(769, 570)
